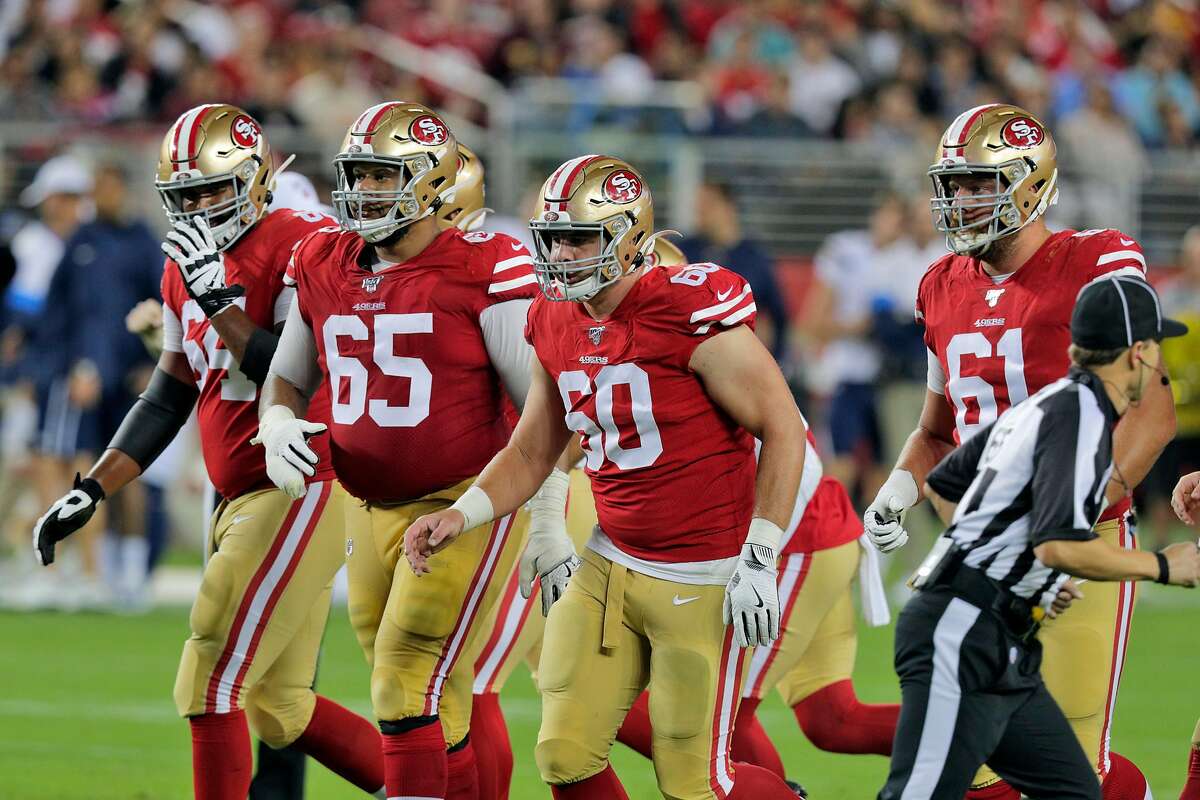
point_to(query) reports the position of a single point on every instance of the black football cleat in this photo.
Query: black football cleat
(797, 788)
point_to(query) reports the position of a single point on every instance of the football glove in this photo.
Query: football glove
(190, 244)
(68, 514)
(751, 597)
(549, 557)
(289, 458)
(883, 521)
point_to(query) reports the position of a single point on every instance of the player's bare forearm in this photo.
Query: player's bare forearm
(931, 441)
(1139, 439)
(1096, 559)
(943, 507)
(114, 470)
(278, 392)
(517, 471)
(235, 328)
(742, 378)
(570, 455)
(780, 464)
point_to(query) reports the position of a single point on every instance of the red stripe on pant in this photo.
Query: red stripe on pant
(1126, 594)
(723, 713)
(455, 643)
(235, 630)
(789, 607)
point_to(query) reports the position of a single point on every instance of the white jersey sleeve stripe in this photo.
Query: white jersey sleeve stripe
(503, 286)
(720, 308)
(512, 263)
(739, 315)
(1121, 255)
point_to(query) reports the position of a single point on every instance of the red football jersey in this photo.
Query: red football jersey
(228, 405)
(672, 474)
(829, 520)
(999, 343)
(416, 404)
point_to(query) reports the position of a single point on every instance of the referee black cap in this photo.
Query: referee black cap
(1114, 312)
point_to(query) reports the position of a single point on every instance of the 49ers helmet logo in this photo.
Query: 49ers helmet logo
(429, 130)
(622, 187)
(245, 132)
(1022, 132)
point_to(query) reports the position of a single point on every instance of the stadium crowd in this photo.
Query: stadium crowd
(891, 72)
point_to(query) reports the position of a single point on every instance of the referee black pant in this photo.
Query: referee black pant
(972, 693)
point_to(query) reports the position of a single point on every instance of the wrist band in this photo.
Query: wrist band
(476, 508)
(1164, 569)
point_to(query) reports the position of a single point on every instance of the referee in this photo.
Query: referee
(1029, 488)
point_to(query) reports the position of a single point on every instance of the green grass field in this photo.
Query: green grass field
(86, 711)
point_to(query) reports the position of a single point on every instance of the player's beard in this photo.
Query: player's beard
(395, 236)
(998, 250)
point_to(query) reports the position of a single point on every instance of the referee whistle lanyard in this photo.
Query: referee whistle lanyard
(614, 605)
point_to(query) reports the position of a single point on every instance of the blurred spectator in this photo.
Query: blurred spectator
(109, 265)
(37, 402)
(332, 92)
(855, 281)
(750, 25)
(820, 81)
(1108, 158)
(1155, 87)
(774, 118)
(1181, 358)
(719, 239)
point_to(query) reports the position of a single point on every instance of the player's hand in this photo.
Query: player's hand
(145, 320)
(752, 599)
(549, 556)
(429, 534)
(289, 458)
(68, 514)
(1067, 593)
(1185, 500)
(1183, 564)
(883, 520)
(190, 244)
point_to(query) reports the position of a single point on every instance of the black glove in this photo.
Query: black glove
(68, 514)
(190, 244)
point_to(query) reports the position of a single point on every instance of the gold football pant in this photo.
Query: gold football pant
(258, 619)
(514, 631)
(415, 631)
(817, 639)
(616, 632)
(1084, 654)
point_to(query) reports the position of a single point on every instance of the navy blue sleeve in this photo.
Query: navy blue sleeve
(757, 267)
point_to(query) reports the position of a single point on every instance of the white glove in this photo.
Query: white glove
(883, 520)
(190, 244)
(751, 597)
(289, 458)
(549, 556)
(68, 514)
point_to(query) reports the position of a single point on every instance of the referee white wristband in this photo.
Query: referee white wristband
(476, 508)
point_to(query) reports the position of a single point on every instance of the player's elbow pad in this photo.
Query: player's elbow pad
(256, 361)
(155, 418)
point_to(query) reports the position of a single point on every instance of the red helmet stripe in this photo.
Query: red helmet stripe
(379, 111)
(564, 177)
(193, 145)
(958, 129)
(184, 130)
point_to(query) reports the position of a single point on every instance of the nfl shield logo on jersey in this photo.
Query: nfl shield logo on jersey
(371, 284)
(993, 296)
(595, 333)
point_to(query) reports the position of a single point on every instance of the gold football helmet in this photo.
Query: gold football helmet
(665, 253)
(213, 144)
(1016, 150)
(405, 136)
(591, 195)
(462, 206)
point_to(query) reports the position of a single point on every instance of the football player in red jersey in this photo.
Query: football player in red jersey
(419, 332)
(259, 616)
(996, 312)
(659, 373)
(1185, 500)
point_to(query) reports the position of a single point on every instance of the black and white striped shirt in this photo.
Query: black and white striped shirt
(1037, 473)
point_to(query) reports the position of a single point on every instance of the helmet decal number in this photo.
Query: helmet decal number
(245, 132)
(622, 186)
(1022, 132)
(429, 130)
